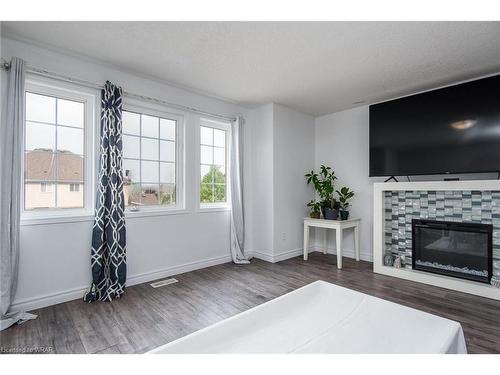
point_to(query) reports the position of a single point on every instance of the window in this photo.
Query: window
(213, 162)
(150, 159)
(46, 187)
(54, 153)
(58, 155)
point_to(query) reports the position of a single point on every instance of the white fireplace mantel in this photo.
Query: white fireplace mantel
(465, 286)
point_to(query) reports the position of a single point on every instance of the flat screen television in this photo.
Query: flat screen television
(455, 129)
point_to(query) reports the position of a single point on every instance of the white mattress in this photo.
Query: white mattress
(325, 318)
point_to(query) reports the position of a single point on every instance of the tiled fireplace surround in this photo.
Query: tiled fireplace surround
(464, 206)
(397, 203)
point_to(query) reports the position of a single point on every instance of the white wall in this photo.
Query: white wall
(55, 258)
(293, 157)
(283, 151)
(260, 183)
(342, 143)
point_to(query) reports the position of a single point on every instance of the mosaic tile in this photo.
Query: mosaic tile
(401, 207)
(486, 205)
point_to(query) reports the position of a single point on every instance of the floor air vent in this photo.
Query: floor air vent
(160, 283)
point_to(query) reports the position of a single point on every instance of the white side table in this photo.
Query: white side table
(339, 226)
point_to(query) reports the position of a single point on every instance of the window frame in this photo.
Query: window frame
(91, 100)
(131, 105)
(221, 125)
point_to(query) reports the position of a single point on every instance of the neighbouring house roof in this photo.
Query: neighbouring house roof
(43, 165)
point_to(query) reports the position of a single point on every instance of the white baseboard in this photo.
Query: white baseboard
(349, 253)
(77, 293)
(176, 270)
(45, 300)
(276, 257)
(260, 255)
(287, 255)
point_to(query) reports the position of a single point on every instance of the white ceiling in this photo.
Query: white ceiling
(314, 67)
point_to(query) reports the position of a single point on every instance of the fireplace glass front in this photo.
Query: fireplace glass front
(462, 250)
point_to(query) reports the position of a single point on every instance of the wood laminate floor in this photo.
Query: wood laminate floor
(145, 318)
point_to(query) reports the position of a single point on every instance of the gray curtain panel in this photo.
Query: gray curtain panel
(237, 214)
(109, 270)
(11, 143)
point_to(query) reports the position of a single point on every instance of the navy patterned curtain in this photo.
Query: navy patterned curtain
(109, 268)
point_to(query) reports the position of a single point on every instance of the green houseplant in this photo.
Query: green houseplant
(315, 207)
(345, 195)
(323, 183)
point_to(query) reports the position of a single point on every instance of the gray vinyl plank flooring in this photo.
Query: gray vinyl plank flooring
(145, 318)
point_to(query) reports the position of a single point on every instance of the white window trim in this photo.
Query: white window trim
(91, 100)
(216, 206)
(179, 207)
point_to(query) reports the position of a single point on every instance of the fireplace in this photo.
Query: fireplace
(462, 250)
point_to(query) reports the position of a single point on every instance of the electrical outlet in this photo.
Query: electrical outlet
(283, 236)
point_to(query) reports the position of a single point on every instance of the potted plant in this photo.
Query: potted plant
(345, 195)
(333, 212)
(323, 184)
(315, 207)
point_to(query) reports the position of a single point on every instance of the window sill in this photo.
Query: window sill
(59, 219)
(213, 208)
(144, 212)
(75, 218)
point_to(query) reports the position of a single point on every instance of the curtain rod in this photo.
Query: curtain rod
(5, 65)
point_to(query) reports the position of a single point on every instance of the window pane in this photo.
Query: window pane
(40, 136)
(167, 129)
(206, 135)
(167, 194)
(156, 179)
(206, 155)
(54, 148)
(70, 139)
(131, 147)
(68, 199)
(149, 171)
(167, 151)
(40, 108)
(35, 198)
(149, 149)
(219, 193)
(132, 194)
(70, 113)
(219, 156)
(131, 123)
(167, 173)
(219, 138)
(149, 126)
(39, 166)
(131, 170)
(206, 174)
(219, 175)
(150, 194)
(206, 193)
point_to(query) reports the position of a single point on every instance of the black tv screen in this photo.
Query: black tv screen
(455, 129)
